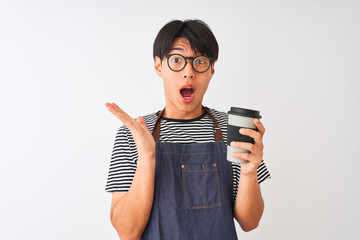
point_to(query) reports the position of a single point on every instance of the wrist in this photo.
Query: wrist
(249, 175)
(147, 161)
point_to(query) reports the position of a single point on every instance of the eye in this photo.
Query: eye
(201, 61)
(176, 59)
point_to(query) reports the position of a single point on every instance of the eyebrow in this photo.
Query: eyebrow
(177, 49)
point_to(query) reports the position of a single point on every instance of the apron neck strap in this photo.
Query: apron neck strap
(156, 129)
(216, 127)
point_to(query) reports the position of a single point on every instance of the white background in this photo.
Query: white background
(60, 61)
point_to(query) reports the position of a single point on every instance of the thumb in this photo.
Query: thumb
(141, 121)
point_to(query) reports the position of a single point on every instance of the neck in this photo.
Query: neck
(183, 114)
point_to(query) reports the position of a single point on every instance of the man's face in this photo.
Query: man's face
(184, 90)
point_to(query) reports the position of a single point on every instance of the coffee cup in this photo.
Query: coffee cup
(239, 118)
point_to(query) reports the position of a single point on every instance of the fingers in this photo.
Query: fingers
(121, 115)
(252, 133)
(248, 156)
(243, 156)
(256, 135)
(244, 145)
(260, 126)
(141, 121)
(254, 149)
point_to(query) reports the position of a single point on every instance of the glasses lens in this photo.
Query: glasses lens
(176, 62)
(201, 64)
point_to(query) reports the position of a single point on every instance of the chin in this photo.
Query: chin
(190, 107)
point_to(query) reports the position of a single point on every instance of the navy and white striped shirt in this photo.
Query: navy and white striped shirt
(199, 130)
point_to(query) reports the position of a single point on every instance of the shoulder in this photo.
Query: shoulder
(219, 115)
(222, 118)
(149, 122)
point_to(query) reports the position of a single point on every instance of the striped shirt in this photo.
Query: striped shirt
(199, 130)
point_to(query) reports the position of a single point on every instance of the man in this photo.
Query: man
(169, 176)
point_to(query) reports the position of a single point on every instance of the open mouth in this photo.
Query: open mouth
(187, 93)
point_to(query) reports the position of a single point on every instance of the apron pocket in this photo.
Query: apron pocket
(201, 185)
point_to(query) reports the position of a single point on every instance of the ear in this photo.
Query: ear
(212, 68)
(158, 66)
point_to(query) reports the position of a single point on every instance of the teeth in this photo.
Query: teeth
(192, 92)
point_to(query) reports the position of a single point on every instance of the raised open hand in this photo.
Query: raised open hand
(144, 141)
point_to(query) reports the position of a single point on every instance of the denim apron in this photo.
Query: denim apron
(193, 190)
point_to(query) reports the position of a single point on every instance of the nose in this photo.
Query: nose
(188, 71)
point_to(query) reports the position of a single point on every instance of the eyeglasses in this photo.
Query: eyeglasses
(177, 62)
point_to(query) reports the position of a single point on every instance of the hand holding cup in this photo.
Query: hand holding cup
(245, 134)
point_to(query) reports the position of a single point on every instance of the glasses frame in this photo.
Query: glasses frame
(188, 58)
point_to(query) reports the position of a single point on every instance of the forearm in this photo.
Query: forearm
(249, 204)
(131, 214)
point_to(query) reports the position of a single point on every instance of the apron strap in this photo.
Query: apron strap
(217, 132)
(216, 127)
(156, 130)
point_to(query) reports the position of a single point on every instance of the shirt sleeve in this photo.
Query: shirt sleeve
(123, 162)
(262, 175)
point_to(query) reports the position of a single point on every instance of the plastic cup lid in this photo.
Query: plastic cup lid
(244, 112)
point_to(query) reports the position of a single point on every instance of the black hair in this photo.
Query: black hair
(198, 33)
